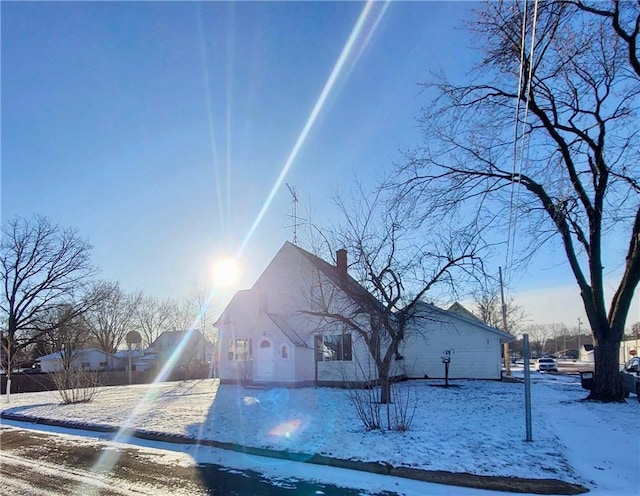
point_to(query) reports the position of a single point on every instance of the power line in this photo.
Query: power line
(520, 135)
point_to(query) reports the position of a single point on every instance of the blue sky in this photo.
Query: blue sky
(158, 129)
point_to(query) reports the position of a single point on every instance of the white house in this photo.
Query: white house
(474, 349)
(268, 335)
(585, 354)
(628, 349)
(141, 360)
(185, 350)
(87, 359)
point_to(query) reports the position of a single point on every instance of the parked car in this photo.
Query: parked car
(630, 375)
(547, 365)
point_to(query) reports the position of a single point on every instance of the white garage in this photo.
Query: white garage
(475, 349)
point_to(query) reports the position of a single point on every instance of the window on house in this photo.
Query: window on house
(85, 365)
(284, 351)
(333, 347)
(103, 364)
(240, 350)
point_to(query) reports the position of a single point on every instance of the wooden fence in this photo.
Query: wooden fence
(31, 383)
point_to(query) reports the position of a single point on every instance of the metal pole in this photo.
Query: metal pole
(579, 337)
(527, 386)
(129, 345)
(505, 347)
(9, 368)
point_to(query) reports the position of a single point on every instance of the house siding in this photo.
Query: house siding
(92, 356)
(625, 348)
(279, 306)
(477, 353)
(359, 369)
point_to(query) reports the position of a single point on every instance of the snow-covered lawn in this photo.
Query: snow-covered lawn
(476, 427)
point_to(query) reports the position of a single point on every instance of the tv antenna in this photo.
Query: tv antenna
(294, 212)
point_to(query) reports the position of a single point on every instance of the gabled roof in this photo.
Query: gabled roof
(171, 338)
(462, 310)
(57, 355)
(235, 300)
(432, 309)
(342, 281)
(287, 329)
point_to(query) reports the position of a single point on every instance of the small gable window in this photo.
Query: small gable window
(284, 351)
(265, 344)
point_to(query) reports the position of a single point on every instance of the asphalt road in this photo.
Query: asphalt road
(35, 463)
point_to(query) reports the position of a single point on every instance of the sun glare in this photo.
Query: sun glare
(225, 272)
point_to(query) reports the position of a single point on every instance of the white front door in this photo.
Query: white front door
(265, 360)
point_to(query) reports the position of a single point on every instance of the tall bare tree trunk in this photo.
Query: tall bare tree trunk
(606, 349)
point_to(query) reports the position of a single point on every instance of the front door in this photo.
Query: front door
(265, 360)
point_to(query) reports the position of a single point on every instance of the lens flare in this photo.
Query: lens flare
(359, 38)
(286, 429)
(355, 37)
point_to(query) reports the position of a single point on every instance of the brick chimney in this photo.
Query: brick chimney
(341, 261)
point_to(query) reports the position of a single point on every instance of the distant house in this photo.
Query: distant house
(87, 359)
(459, 309)
(141, 360)
(628, 349)
(585, 353)
(185, 350)
(265, 336)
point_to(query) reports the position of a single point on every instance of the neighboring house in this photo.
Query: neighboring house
(87, 359)
(475, 348)
(185, 350)
(586, 353)
(628, 349)
(141, 360)
(265, 336)
(462, 310)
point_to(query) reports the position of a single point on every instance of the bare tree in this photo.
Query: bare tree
(152, 317)
(394, 265)
(111, 318)
(569, 174)
(182, 314)
(539, 335)
(488, 308)
(200, 300)
(45, 269)
(75, 382)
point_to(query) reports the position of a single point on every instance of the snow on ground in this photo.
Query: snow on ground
(476, 427)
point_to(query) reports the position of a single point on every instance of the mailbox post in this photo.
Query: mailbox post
(446, 359)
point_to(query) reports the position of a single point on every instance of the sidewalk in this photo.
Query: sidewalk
(496, 483)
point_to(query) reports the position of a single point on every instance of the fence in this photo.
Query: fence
(32, 383)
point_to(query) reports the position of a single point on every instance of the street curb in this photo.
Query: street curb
(461, 479)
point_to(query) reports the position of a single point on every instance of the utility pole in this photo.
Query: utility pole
(505, 346)
(527, 386)
(579, 337)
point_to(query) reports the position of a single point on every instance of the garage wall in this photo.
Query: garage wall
(477, 352)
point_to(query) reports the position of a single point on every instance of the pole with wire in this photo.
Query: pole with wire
(505, 346)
